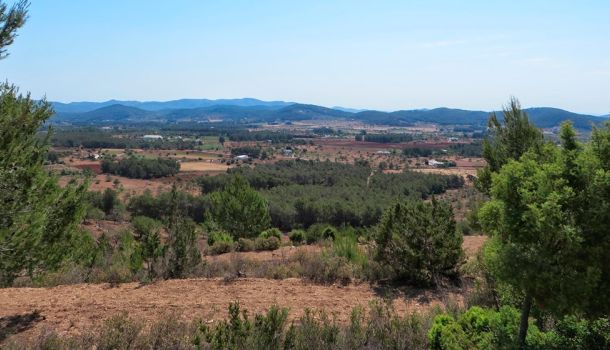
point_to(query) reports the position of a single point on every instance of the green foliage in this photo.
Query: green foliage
(297, 237)
(478, 328)
(219, 236)
(508, 141)
(245, 245)
(221, 247)
(419, 242)
(302, 193)
(11, 19)
(270, 243)
(141, 168)
(158, 207)
(38, 218)
(148, 233)
(346, 246)
(272, 232)
(239, 209)
(183, 254)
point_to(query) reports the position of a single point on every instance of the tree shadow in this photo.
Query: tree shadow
(422, 295)
(14, 324)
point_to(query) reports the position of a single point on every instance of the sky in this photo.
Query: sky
(385, 55)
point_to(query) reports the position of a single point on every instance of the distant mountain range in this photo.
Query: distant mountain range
(253, 110)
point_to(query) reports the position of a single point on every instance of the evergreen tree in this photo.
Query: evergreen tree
(549, 220)
(507, 141)
(182, 252)
(239, 209)
(38, 219)
(419, 241)
(11, 19)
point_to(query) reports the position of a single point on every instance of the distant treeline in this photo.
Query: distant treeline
(105, 139)
(302, 193)
(141, 168)
(132, 138)
(384, 138)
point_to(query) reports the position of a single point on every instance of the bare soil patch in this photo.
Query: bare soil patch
(72, 309)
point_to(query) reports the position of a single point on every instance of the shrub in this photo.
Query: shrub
(95, 214)
(297, 237)
(318, 232)
(346, 246)
(219, 236)
(245, 245)
(272, 232)
(326, 268)
(221, 247)
(271, 243)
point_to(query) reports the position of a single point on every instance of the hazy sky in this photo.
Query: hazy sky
(363, 54)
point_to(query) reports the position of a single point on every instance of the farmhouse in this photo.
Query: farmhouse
(241, 157)
(152, 137)
(385, 153)
(435, 163)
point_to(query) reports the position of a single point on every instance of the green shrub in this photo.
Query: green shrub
(318, 232)
(326, 268)
(272, 232)
(219, 236)
(95, 214)
(346, 246)
(221, 247)
(480, 328)
(297, 237)
(245, 245)
(271, 243)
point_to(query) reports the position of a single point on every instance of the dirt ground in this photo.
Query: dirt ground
(204, 166)
(71, 309)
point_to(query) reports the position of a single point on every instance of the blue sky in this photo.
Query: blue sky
(363, 54)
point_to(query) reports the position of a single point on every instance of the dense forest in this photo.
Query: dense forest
(141, 168)
(302, 193)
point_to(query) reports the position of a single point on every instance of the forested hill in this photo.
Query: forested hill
(252, 110)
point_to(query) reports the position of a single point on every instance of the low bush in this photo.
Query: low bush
(272, 232)
(379, 328)
(271, 243)
(221, 247)
(219, 236)
(318, 232)
(297, 237)
(326, 268)
(245, 245)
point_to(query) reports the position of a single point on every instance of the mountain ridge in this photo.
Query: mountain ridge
(254, 110)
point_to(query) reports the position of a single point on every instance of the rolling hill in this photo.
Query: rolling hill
(252, 110)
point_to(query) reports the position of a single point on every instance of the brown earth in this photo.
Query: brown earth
(70, 309)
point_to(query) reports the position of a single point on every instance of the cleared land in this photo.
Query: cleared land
(71, 309)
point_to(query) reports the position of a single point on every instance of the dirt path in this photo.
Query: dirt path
(71, 309)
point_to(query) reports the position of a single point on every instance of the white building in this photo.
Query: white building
(241, 157)
(435, 163)
(152, 137)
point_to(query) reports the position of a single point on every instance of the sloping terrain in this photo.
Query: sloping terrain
(75, 308)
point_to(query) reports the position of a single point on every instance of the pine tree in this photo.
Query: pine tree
(239, 209)
(507, 141)
(38, 219)
(419, 241)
